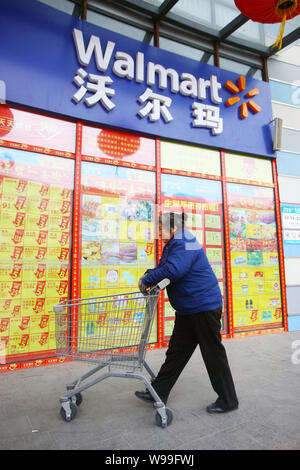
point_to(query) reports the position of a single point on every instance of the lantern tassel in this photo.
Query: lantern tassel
(278, 41)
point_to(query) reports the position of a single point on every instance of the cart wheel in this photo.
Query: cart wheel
(159, 420)
(77, 399)
(63, 414)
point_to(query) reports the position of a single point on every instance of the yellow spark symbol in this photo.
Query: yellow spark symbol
(255, 108)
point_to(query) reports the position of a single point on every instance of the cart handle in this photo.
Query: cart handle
(160, 286)
(164, 283)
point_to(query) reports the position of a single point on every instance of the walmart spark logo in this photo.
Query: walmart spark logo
(250, 104)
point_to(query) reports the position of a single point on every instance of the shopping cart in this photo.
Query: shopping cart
(111, 331)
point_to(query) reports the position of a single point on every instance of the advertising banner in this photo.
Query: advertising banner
(254, 258)
(201, 201)
(118, 240)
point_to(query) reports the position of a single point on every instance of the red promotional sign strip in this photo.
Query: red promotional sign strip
(118, 162)
(227, 248)
(36, 149)
(76, 240)
(190, 173)
(249, 182)
(160, 312)
(33, 363)
(280, 246)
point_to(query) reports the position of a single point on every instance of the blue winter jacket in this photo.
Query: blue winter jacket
(194, 287)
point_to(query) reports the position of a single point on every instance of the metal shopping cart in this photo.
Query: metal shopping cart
(111, 331)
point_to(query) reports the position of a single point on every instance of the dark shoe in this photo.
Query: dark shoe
(214, 408)
(146, 396)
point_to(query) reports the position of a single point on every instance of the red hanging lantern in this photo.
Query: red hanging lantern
(270, 11)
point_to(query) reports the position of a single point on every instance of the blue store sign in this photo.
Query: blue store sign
(54, 62)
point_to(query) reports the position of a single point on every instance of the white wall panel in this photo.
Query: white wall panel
(292, 271)
(293, 300)
(283, 71)
(289, 114)
(289, 190)
(290, 55)
(290, 140)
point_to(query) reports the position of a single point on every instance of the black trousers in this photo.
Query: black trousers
(201, 329)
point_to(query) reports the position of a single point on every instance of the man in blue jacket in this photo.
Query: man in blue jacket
(195, 295)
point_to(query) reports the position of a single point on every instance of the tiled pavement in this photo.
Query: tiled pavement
(112, 418)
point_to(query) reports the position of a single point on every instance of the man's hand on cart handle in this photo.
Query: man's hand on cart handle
(146, 290)
(143, 289)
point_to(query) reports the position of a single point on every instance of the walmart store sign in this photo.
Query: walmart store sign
(76, 69)
(154, 106)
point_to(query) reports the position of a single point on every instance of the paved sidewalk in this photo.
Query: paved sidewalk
(112, 418)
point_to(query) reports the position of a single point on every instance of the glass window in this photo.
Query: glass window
(240, 68)
(224, 14)
(189, 158)
(201, 200)
(35, 130)
(186, 51)
(254, 258)
(35, 243)
(251, 31)
(271, 30)
(64, 5)
(118, 27)
(116, 145)
(155, 2)
(118, 241)
(216, 14)
(196, 10)
(248, 168)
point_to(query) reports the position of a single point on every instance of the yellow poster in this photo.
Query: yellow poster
(198, 160)
(213, 238)
(169, 311)
(145, 253)
(35, 224)
(255, 169)
(214, 254)
(254, 258)
(218, 270)
(212, 221)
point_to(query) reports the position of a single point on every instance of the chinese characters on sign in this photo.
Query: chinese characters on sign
(155, 106)
(97, 85)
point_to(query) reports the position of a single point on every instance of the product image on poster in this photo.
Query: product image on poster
(254, 258)
(35, 239)
(201, 201)
(118, 243)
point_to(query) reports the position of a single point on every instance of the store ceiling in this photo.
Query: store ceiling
(217, 20)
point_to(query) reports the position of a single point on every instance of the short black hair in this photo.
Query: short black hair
(172, 219)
